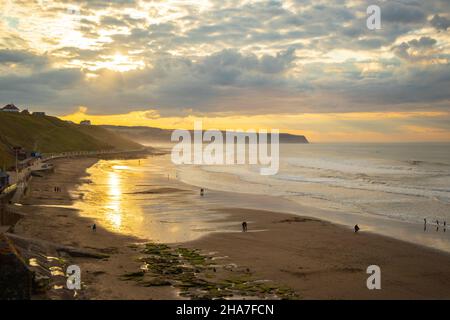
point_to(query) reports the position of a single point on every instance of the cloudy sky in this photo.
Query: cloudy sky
(302, 66)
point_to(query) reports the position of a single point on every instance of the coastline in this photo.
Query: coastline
(48, 217)
(304, 254)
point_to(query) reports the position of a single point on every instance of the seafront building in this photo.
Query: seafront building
(10, 108)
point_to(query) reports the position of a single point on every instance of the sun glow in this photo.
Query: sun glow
(119, 63)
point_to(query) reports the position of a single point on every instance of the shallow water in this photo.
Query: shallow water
(390, 188)
(144, 199)
(386, 189)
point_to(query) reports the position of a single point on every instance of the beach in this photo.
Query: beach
(296, 257)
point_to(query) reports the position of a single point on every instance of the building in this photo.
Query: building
(85, 123)
(4, 180)
(39, 114)
(20, 153)
(10, 108)
(25, 112)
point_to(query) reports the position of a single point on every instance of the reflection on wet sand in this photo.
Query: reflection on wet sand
(114, 202)
(137, 199)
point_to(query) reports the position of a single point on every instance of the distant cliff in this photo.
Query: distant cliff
(49, 134)
(149, 135)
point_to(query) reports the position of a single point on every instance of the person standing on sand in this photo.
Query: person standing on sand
(94, 227)
(356, 228)
(244, 226)
(202, 192)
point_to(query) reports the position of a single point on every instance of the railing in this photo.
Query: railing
(50, 156)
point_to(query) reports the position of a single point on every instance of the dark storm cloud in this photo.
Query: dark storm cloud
(440, 23)
(22, 57)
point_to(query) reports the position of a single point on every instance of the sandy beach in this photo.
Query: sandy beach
(294, 257)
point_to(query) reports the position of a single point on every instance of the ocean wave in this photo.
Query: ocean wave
(372, 185)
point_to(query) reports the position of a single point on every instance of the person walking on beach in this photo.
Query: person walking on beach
(94, 227)
(244, 226)
(356, 228)
(202, 192)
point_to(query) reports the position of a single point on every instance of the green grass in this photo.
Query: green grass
(50, 134)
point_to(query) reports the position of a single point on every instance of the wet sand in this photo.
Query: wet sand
(317, 259)
(320, 260)
(64, 226)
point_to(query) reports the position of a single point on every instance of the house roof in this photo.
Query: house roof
(10, 107)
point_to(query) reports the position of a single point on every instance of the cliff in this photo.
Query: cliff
(149, 135)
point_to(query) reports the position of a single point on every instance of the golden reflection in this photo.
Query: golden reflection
(114, 204)
(126, 208)
(119, 167)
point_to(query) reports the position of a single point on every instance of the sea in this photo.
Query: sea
(400, 190)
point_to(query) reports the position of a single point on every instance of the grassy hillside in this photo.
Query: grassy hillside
(50, 134)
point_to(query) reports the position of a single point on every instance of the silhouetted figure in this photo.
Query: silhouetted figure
(437, 222)
(94, 227)
(202, 192)
(425, 220)
(356, 228)
(244, 226)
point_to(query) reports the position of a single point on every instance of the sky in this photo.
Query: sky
(308, 67)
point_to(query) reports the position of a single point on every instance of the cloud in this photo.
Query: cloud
(440, 23)
(8, 56)
(216, 57)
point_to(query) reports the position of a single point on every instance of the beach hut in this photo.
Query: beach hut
(35, 154)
